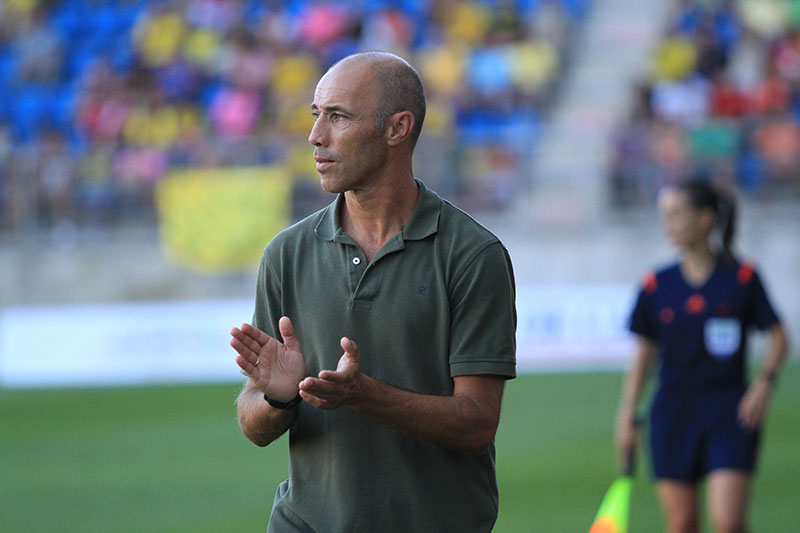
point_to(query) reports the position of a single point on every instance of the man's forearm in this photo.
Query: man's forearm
(260, 422)
(459, 422)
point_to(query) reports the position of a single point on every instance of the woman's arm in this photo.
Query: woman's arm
(754, 404)
(635, 381)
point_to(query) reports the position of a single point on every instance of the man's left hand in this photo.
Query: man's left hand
(336, 388)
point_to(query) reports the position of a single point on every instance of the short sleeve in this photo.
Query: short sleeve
(641, 320)
(483, 317)
(761, 313)
(268, 300)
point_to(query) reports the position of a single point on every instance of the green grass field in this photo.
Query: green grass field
(172, 459)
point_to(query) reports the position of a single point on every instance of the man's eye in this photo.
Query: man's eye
(335, 116)
(315, 115)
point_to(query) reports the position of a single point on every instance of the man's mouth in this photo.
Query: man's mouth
(323, 162)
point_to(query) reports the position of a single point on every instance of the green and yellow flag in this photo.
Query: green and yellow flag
(219, 220)
(612, 517)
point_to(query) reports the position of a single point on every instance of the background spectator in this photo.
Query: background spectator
(724, 99)
(101, 99)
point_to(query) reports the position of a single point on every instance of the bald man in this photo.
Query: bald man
(383, 330)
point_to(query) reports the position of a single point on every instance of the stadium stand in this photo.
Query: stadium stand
(99, 99)
(722, 100)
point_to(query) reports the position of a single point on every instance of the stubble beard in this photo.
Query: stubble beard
(355, 175)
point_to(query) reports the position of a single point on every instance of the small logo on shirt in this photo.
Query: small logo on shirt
(423, 290)
(666, 315)
(695, 304)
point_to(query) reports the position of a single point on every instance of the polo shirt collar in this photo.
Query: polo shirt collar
(424, 220)
(329, 226)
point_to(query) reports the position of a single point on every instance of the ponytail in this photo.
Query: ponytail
(703, 195)
(725, 220)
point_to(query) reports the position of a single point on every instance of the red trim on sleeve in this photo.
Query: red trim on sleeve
(745, 273)
(650, 283)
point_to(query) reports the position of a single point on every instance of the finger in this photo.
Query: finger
(245, 341)
(315, 401)
(331, 395)
(319, 387)
(243, 350)
(256, 334)
(351, 348)
(250, 369)
(287, 332)
(335, 376)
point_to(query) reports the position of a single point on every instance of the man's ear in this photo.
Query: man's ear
(398, 127)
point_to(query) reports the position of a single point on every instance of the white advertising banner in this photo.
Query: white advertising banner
(123, 344)
(566, 327)
(559, 328)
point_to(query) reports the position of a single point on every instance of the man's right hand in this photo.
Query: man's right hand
(275, 368)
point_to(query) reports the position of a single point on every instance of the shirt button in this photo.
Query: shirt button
(356, 260)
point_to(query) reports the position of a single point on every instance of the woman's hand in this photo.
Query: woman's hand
(755, 403)
(625, 438)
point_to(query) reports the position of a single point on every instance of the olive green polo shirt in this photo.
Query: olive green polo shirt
(437, 301)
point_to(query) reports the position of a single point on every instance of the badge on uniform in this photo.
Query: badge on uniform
(723, 336)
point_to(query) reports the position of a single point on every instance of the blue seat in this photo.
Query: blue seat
(80, 57)
(7, 68)
(61, 104)
(27, 112)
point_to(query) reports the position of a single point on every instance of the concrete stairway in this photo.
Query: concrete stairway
(567, 181)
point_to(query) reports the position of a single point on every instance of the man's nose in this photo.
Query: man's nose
(318, 136)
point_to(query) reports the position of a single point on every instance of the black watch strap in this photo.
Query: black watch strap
(284, 405)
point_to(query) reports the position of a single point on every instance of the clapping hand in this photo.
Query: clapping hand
(276, 368)
(336, 388)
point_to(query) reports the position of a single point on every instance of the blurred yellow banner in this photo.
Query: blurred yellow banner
(219, 220)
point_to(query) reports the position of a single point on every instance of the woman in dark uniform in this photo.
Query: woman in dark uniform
(692, 317)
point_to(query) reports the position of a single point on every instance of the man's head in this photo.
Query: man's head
(369, 110)
(401, 91)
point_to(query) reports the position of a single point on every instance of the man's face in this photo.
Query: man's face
(349, 151)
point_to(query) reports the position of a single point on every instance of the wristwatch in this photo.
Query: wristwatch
(284, 405)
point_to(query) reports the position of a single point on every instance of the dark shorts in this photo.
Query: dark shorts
(692, 434)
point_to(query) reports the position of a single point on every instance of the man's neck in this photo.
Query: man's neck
(373, 216)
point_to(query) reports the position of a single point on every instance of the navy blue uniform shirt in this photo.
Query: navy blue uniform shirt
(701, 332)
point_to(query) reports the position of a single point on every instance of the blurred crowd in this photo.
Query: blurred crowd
(722, 102)
(100, 99)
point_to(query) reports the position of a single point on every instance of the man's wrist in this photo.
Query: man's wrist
(362, 392)
(284, 405)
